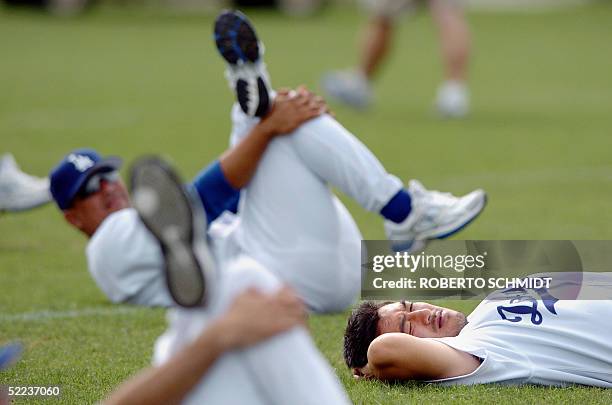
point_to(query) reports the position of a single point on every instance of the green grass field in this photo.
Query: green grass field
(129, 82)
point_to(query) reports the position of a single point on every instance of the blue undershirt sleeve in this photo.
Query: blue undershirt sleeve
(216, 194)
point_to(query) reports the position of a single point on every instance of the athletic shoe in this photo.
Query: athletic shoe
(434, 215)
(177, 220)
(453, 100)
(20, 191)
(246, 72)
(348, 87)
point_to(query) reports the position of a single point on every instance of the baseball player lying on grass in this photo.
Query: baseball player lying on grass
(289, 220)
(515, 336)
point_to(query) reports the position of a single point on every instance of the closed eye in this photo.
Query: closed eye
(410, 327)
(403, 326)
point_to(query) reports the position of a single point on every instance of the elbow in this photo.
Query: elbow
(381, 357)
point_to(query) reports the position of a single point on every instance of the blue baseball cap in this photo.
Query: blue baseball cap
(74, 170)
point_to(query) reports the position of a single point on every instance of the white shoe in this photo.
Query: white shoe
(348, 87)
(453, 100)
(434, 215)
(20, 191)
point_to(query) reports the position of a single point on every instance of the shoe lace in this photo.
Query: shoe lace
(441, 198)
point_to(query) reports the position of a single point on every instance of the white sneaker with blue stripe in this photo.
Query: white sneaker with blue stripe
(434, 215)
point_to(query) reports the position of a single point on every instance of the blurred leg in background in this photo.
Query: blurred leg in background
(295, 8)
(354, 87)
(449, 19)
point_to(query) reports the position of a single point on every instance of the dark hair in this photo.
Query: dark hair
(359, 333)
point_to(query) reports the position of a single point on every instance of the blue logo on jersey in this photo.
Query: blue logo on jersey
(521, 295)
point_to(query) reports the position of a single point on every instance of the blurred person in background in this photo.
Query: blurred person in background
(56, 7)
(296, 8)
(353, 87)
(300, 8)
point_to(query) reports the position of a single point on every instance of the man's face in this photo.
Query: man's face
(419, 319)
(88, 212)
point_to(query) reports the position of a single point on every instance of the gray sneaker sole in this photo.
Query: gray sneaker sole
(164, 207)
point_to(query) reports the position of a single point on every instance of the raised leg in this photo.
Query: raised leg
(293, 224)
(277, 371)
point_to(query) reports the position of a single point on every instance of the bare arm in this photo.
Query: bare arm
(290, 110)
(262, 315)
(399, 356)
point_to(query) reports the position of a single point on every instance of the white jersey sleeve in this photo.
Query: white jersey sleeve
(126, 261)
(528, 336)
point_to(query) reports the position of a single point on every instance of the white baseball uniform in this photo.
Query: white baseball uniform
(286, 369)
(528, 337)
(126, 261)
(290, 222)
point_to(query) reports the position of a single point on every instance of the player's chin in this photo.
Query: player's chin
(459, 321)
(452, 323)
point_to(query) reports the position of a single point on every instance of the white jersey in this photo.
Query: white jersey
(126, 261)
(528, 337)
